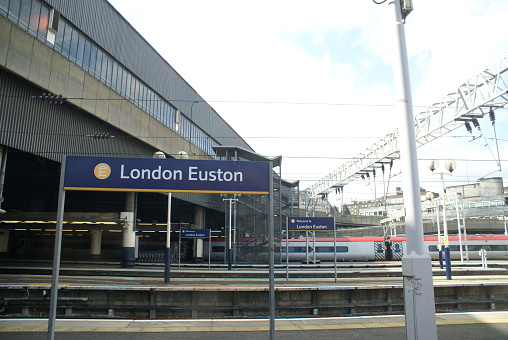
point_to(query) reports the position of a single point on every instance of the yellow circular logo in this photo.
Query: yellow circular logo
(102, 171)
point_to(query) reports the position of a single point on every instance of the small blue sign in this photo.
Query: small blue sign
(194, 233)
(310, 223)
(165, 175)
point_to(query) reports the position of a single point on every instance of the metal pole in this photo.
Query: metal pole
(229, 238)
(271, 288)
(57, 253)
(287, 249)
(167, 261)
(439, 244)
(416, 263)
(456, 199)
(445, 230)
(335, 250)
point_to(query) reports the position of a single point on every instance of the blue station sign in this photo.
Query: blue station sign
(165, 175)
(194, 233)
(310, 223)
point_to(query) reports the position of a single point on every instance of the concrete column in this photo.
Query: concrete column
(199, 222)
(95, 242)
(4, 240)
(129, 235)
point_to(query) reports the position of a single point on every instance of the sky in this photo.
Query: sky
(312, 81)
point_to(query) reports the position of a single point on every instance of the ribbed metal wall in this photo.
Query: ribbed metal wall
(102, 23)
(52, 130)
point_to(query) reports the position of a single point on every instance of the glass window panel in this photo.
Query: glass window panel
(74, 43)
(93, 57)
(14, 9)
(24, 14)
(86, 52)
(120, 82)
(98, 63)
(104, 69)
(66, 46)
(114, 74)
(133, 88)
(34, 16)
(152, 101)
(59, 38)
(81, 48)
(128, 84)
(4, 5)
(44, 21)
(122, 79)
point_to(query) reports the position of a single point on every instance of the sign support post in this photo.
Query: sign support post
(271, 261)
(167, 259)
(57, 253)
(82, 173)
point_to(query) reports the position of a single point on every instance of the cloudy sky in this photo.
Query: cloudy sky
(312, 81)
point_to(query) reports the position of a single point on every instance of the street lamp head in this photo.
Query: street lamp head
(450, 165)
(182, 155)
(433, 164)
(159, 154)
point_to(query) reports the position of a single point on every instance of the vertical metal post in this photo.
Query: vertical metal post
(439, 243)
(229, 235)
(56, 254)
(335, 250)
(271, 295)
(167, 261)
(179, 246)
(287, 249)
(456, 199)
(448, 265)
(416, 263)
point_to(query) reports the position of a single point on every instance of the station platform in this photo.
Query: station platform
(486, 325)
(217, 297)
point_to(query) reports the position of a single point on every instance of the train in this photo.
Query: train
(361, 248)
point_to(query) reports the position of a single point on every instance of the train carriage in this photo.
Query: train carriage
(365, 248)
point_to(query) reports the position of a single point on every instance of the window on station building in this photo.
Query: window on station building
(34, 16)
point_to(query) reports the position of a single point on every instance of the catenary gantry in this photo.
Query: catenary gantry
(473, 99)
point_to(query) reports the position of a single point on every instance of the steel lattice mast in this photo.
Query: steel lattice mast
(472, 100)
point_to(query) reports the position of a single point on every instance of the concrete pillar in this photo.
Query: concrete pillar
(199, 222)
(129, 234)
(95, 242)
(4, 240)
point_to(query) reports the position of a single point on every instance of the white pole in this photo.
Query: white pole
(445, 230)
(456, 199)
(416, 263)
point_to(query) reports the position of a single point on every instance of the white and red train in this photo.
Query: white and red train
(367, 248)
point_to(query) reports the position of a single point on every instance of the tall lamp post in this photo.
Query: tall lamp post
(450, 166)
(230, 254)
(167, 258)
(429, 196)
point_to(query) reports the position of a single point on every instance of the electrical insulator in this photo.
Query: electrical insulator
(101, 136)
(492, 116)
(51, 98)
(468, 127)
(476, 124)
